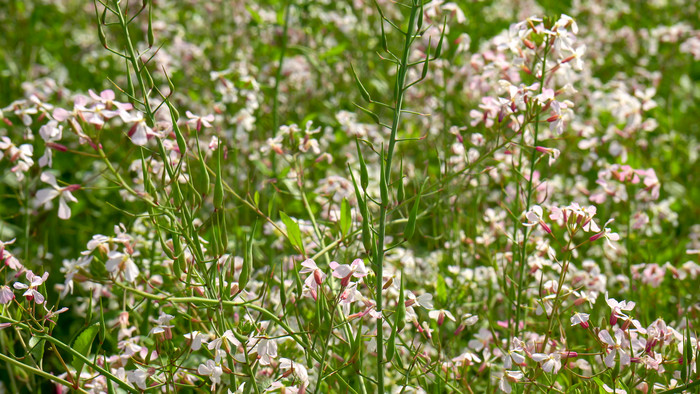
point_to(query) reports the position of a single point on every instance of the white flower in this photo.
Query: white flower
(580, 318)
(50, 133)
(196, 339)
(162, 324)
(121, 262)
(299, 370)
(550, 362)
(211, 370)
(266, 349)
(34, 282)
(44, 196)
(618, 345)
(137, 377)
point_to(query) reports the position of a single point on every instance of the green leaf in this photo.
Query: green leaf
(360, 86)
(37, 348)
(293, 231)
(82, 345)
(411, 224)
(345, 217)
(441, 290)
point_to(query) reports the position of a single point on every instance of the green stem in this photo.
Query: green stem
(386, 167)
(39, 372)
(526, 233)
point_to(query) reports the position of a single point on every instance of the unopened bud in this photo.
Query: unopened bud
(55, 146)
(596, 236)
(317, 277)
(441, 318)
(613, 319)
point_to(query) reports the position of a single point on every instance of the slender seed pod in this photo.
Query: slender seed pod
(383, 187)
(391, 346)
(400, 321)
(401, 191)
(363, 91)
(364, 174)
(411, 225)
(219, 186)
(203, 182)
(223, 232)
(151, 37)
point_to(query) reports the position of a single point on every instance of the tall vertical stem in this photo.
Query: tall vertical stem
(399, 87)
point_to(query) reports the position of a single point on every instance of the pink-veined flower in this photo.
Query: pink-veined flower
(34, 281)
(44, 196)
(550, 362)
(580, 319)
(607, 234)
(619, 345)
(356, 269)
(122, 262)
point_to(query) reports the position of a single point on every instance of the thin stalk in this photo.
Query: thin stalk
(39, 372)
(528, 201)
(399, 89)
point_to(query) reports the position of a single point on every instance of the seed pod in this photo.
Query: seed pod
(151, 38)
(181, 144)
(364, 175)
(383, 187)
(391, 346)
(215, 238)
(179, 261)
(419, 25)
(219, 186)
(400, 321)
(366, 233)
(411, 225)
(363, 91)
(223, 231)
(438, 49)
(401, 192)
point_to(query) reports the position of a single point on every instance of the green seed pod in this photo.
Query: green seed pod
(383, 187)
(219, 185)
(366, 233)
(181, 144)
(401, 191)
(179, 261)
(411, 225)
(400, 321)
(363, 91)
(203, 181)
(438, 49)
(151, 38)
(364, 175)
(215, 237)
(419, 25)
(391, 346)
(223, 232)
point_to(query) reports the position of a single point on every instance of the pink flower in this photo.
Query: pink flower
(607, 234)
(356, 269)
(617, 308)
(580, 319)
(315, 278)
(199, 121)
(534, 217)
(10, 260)
(6, 294)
